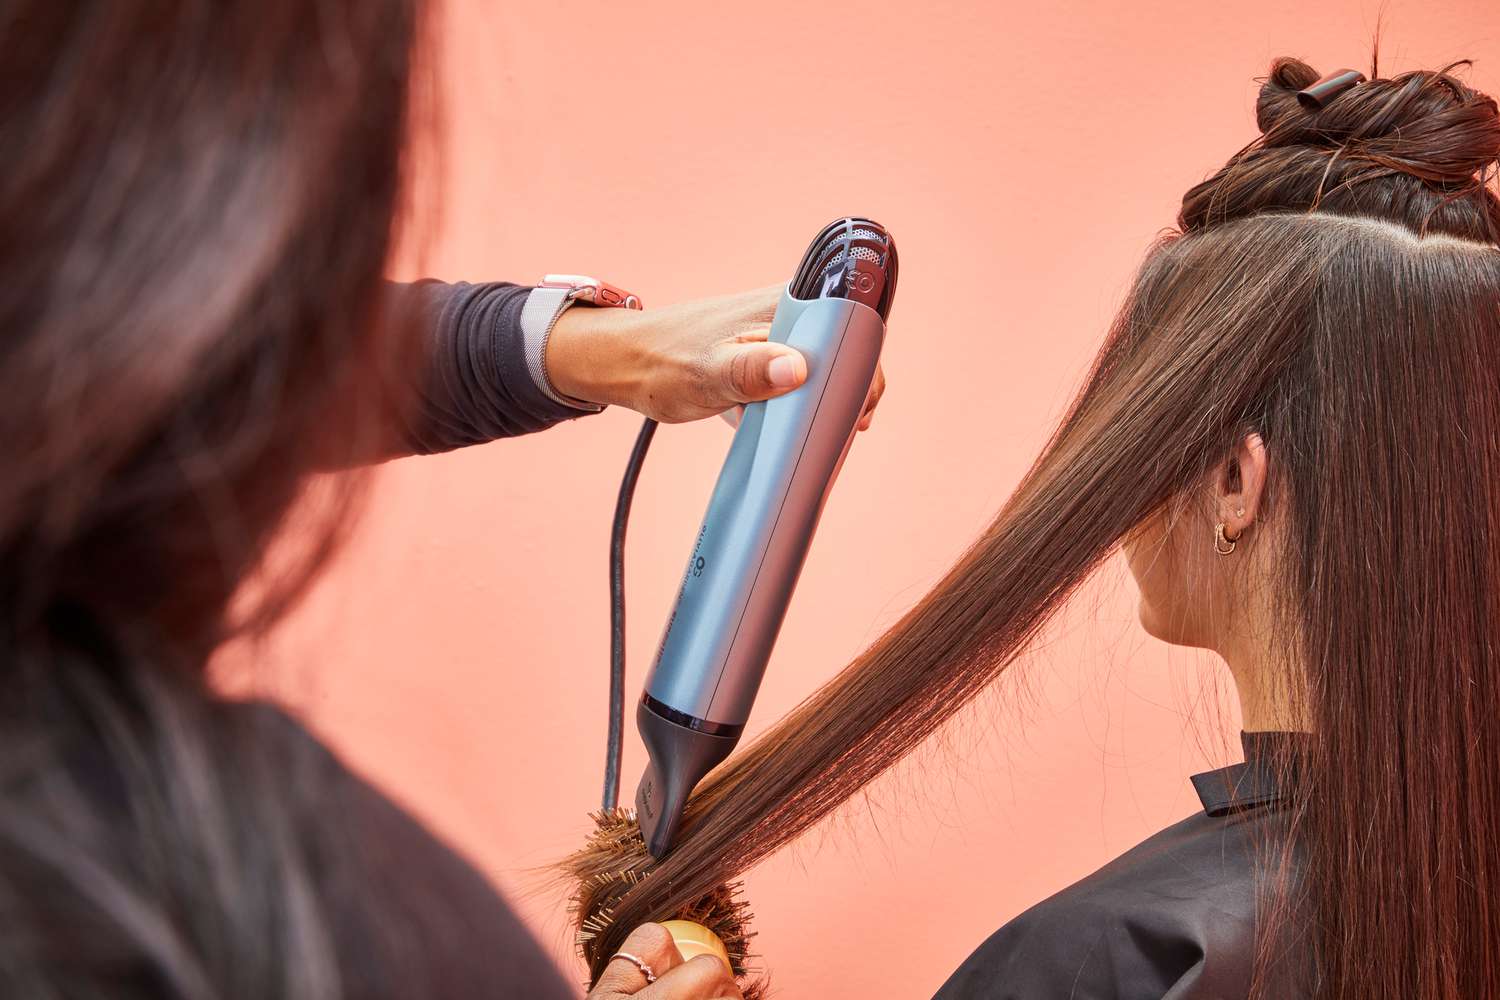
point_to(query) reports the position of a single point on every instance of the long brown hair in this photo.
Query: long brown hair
(1336, 289)
(195, 213)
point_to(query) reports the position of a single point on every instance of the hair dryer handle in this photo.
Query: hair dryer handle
(763, 512)
(749, 554)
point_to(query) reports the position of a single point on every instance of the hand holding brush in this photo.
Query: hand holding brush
(649, 967)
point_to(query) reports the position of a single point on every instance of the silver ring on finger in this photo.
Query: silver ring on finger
(633, 960)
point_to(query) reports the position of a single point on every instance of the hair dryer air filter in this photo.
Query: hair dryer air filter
(850, 259)
(760, 521)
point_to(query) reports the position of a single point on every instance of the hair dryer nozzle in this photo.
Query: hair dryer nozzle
(680, 754)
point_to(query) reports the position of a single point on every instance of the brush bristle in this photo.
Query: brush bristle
(614, 860)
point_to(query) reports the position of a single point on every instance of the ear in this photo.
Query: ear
(1240, 483)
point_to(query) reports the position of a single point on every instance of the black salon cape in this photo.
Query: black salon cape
(1170, 918)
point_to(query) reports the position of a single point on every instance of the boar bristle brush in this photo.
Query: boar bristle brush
(739, 581)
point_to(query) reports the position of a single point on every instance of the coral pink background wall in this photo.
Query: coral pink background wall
(1024, 154)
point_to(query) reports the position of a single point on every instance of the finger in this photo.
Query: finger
(652, 944)
(750, 372)
(704, 978)
(877, 389)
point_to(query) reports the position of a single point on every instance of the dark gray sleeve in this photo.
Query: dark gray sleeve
(472, 384)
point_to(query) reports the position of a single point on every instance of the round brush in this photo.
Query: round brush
(614, 860)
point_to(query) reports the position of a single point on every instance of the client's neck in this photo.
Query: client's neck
(1268, 702)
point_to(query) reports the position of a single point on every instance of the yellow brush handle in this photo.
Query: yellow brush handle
(693, 940)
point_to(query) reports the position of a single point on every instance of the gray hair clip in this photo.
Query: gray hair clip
(1316, 97)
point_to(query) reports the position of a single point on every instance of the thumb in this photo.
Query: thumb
(751, 372)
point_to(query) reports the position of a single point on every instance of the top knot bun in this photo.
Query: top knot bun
(1426, 124)
(1420, 149)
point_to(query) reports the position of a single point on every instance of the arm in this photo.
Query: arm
(473, 382)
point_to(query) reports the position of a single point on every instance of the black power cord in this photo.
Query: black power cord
(616, 734)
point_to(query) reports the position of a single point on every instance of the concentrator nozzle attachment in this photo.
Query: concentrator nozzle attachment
(681, 751)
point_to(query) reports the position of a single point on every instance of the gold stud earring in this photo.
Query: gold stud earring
(1240, 512)
(1223, 544)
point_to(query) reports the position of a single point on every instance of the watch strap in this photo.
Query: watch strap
(544, 305)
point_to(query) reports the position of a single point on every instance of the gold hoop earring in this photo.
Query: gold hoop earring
(1223, 544)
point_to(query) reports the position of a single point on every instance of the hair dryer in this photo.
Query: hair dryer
(760, 521)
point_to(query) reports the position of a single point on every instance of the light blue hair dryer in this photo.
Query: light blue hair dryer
(760, 521)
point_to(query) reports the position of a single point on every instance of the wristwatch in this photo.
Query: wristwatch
(550, 299)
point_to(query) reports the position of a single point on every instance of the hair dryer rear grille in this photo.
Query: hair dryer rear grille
(850, 259)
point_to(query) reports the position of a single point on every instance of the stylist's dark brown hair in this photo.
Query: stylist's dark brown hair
(195, 210)
(1336, 289)
(196, 207)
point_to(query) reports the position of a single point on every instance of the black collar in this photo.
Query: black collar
(1254, 782)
